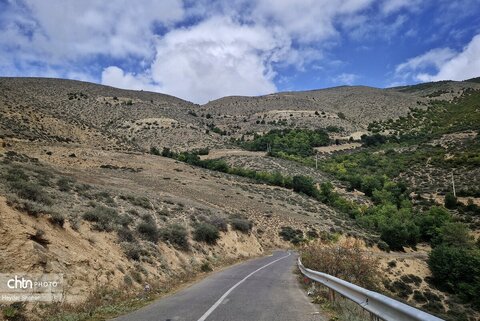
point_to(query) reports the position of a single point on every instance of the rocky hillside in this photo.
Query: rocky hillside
(89, 198)
(54, 110)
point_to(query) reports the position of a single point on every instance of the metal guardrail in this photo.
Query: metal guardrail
(377, 304)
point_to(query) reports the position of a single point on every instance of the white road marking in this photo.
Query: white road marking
(214, 306)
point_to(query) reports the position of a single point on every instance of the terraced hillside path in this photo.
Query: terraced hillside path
(264, 289)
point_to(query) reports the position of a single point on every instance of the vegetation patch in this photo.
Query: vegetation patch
(206, 233)
(176, 235)
(104, 218)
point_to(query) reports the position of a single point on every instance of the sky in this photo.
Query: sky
(201, 50)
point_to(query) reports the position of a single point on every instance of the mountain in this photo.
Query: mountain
(119, 187)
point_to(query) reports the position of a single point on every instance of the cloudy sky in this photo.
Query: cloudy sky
(201, 50)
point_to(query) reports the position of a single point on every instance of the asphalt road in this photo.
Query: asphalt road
(264, 289)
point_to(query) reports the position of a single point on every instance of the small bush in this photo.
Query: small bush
(138, 201)
(220, 223)
(176, 235)
(155, 151)
(31, 191)
(205, 267)
(207, 233)
(149, 231)
(57, 219)
(304, 184)
(383, 246)
(65, 184)
(127, 279)
(311, 234)
(419, 297)
(133, 251)
(411, 278)
(125, 235)
(31, 208)
(346, 261)
(105, 198)
(402, 289)
(103, 217)
(14, 312)
(291, 235)
(15, 175)
(242, 225)
(450, 201)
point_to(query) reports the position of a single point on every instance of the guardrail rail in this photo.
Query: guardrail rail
(377, 304)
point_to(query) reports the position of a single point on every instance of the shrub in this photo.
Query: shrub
(176, 235)
(134, 251)
(346, 261)
(402, 289)
(57, 219)
(125, 235)
(457, 270)
(430, 221)
(65, 184)
(105, 198)
(411, 278)
(207, 233)
(450, 201)
(220, 223)
(312, 234)
(419, 297)
(304, 184)
(127, 279)
(291, 235)
(373, 140)
(242, 225)
(31, 191)
(31, 208)
(454, 234)
(205, 267)
(103, 217)
(383, 246)
(15, 175)
(138, 201)
(14, 312)
(397, 233)
(149, 231)
(154, 151)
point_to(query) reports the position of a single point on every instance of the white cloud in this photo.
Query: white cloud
(53, 31)
(224, 47)
(435, 57)
(392, 6)
(446, 63)
(307, 20)
(346, 79)
(215, 58)
(234, 53)
(116, 77)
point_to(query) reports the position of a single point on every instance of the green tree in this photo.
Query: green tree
(429, 222)
(454, 234)
(457, 270)
(304, 184)
(450, 201)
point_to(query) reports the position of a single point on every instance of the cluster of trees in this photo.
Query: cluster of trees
(455, 261)
(455, 258)
(300, 142)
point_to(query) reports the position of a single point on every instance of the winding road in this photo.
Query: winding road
(264, 289)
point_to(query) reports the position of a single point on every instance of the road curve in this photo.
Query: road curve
(264, 289)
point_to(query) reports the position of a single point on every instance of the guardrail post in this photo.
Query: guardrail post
(331, 295)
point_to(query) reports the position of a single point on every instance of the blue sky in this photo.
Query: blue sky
(202, 50)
